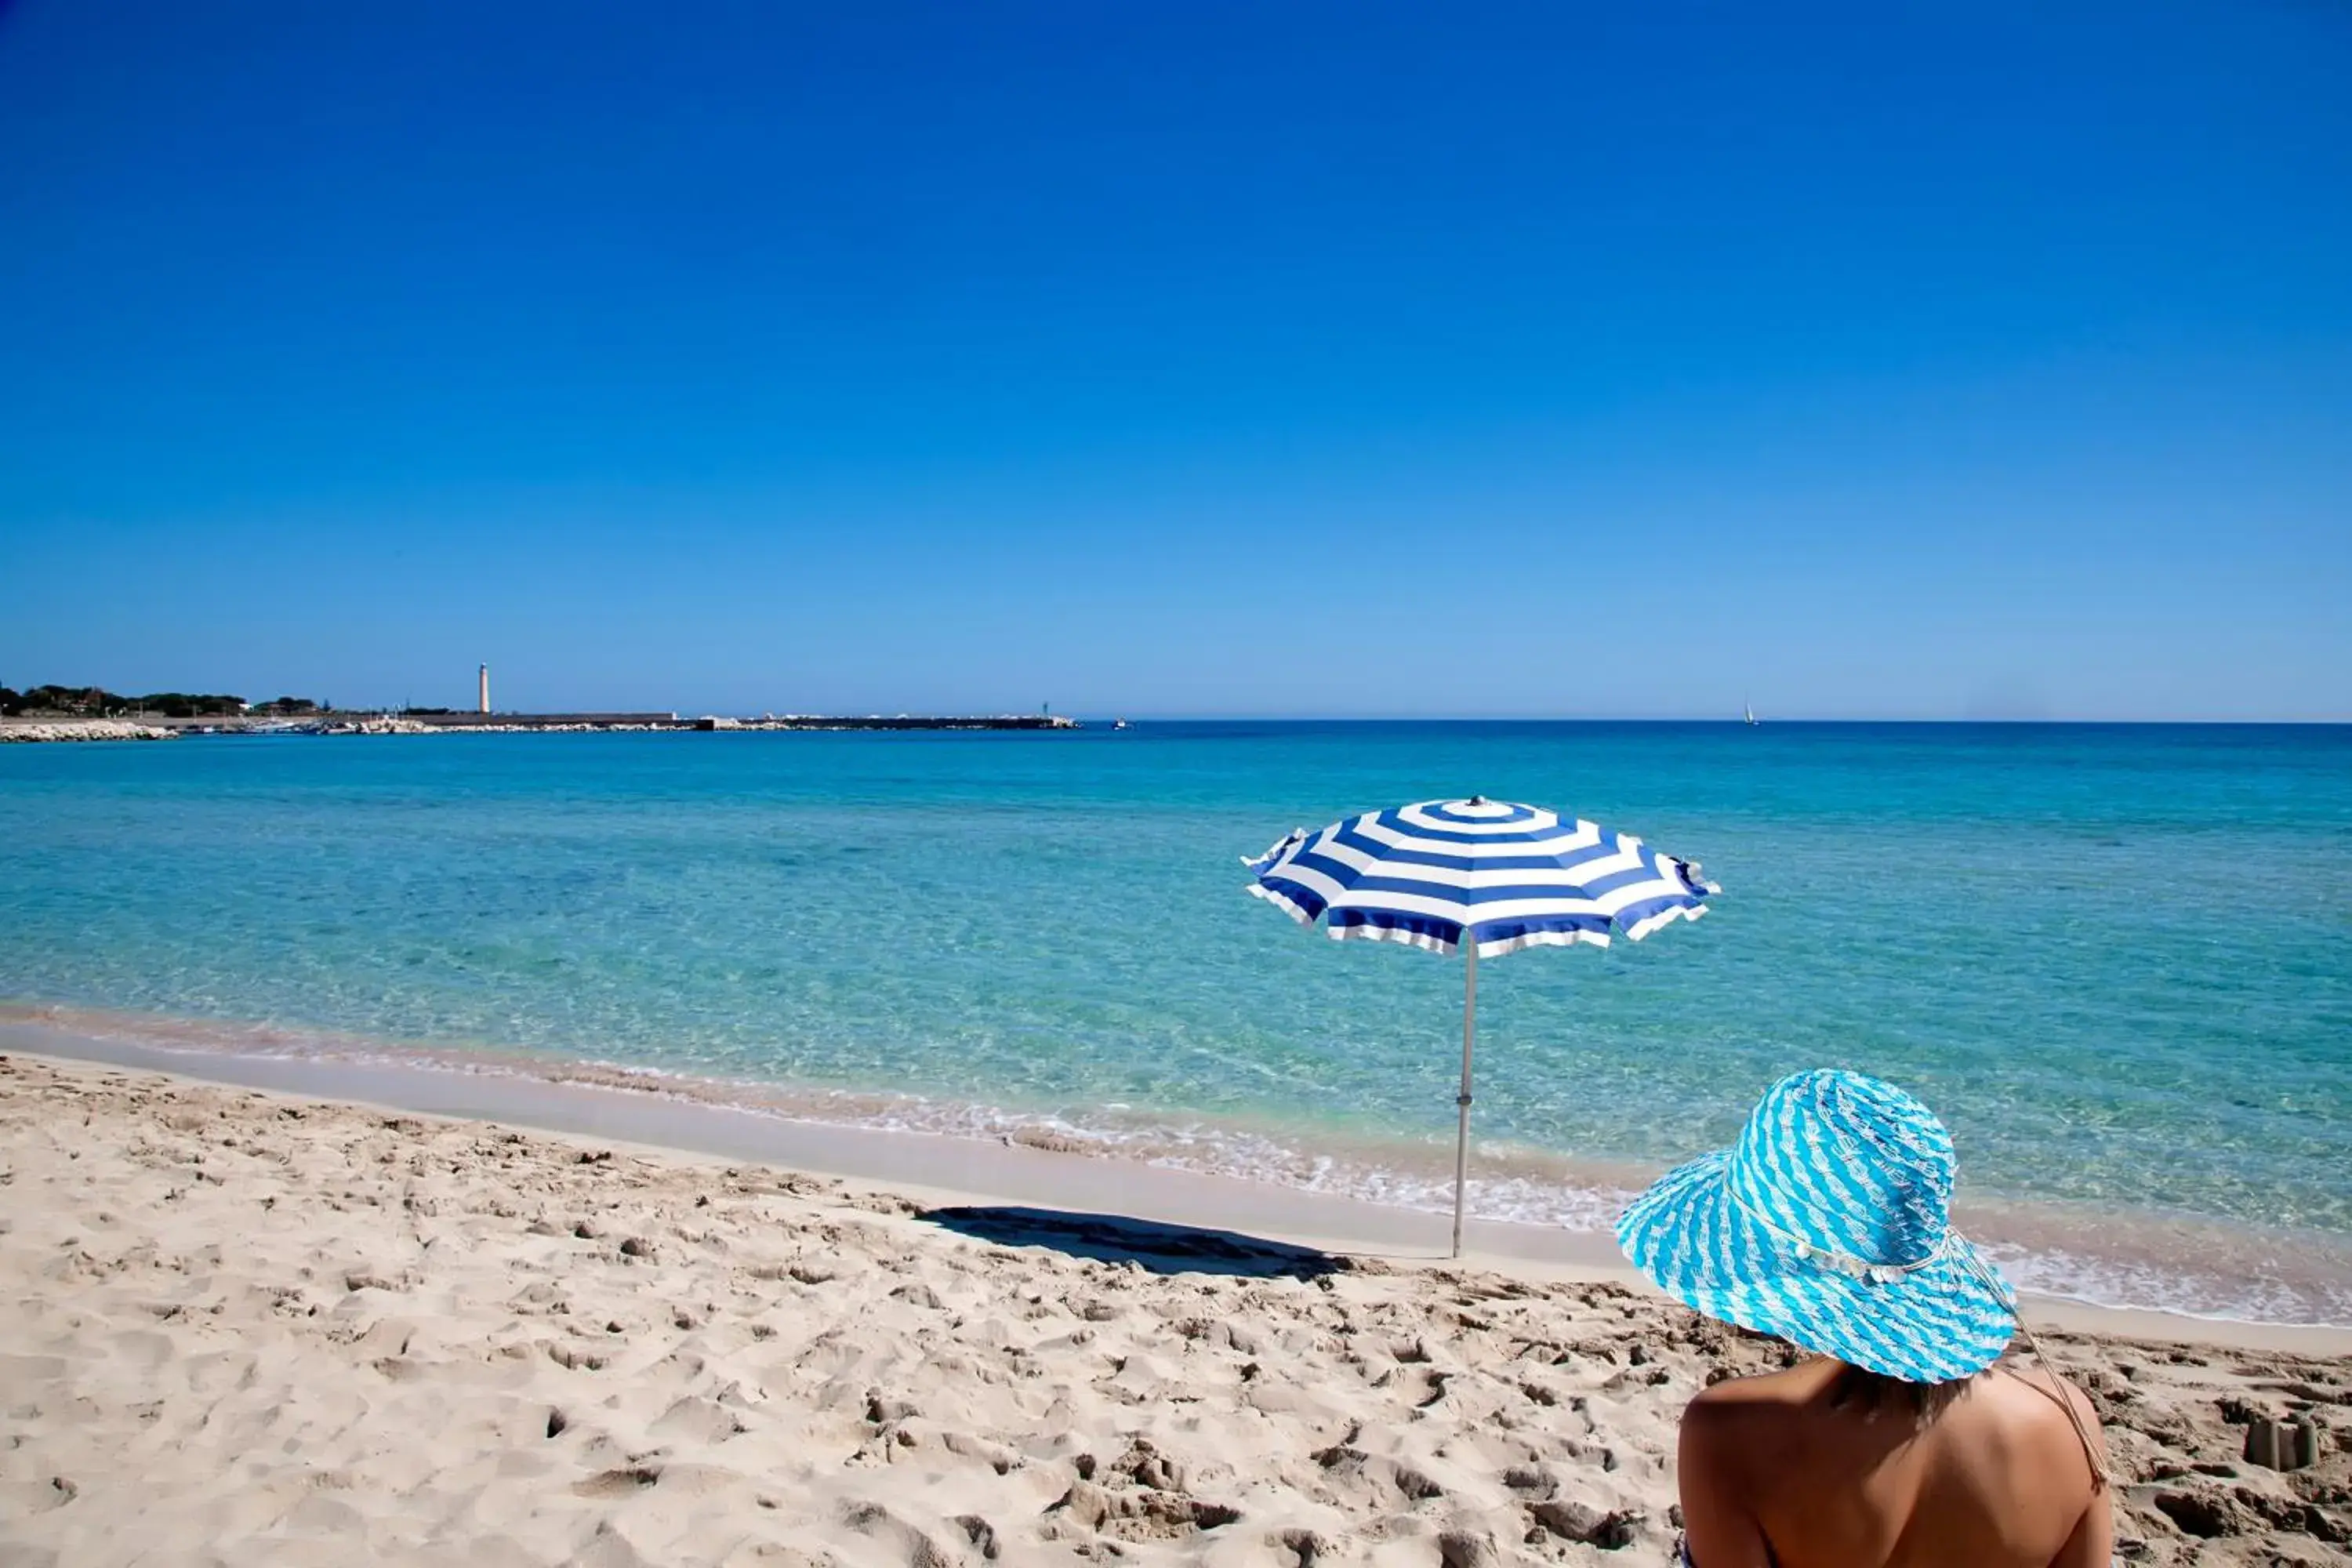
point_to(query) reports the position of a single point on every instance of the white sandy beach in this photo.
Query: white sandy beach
(244, 1327)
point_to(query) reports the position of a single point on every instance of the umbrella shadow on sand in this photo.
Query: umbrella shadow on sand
(1160, 1247)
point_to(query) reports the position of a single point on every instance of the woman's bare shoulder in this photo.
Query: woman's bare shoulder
(2032, 1391)
(1797, 1384)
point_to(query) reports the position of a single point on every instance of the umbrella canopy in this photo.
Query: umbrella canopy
(1481, 878)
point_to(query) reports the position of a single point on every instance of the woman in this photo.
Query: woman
(1904, 1445)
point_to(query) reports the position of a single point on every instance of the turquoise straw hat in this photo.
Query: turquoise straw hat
(1829, 1225)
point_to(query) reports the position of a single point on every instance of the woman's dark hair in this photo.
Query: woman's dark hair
(1870, 1392)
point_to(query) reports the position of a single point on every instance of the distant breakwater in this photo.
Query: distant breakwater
(498, 724)
(83, 730)
(533, 723)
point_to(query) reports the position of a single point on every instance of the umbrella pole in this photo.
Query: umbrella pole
(1461, 1100)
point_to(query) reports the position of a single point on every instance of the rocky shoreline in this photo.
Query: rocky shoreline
(83, 730)
(22, 730)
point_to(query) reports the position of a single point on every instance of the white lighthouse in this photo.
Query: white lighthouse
(486, 688)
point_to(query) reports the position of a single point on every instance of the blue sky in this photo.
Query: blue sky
(1183, 360)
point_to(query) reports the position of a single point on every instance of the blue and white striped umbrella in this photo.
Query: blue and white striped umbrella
(1480, 878)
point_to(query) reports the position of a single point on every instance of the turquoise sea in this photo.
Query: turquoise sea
(2116, 960)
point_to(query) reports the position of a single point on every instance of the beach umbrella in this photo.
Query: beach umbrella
(1508, 876)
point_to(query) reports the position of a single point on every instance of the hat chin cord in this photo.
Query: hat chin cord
(1978, 1267)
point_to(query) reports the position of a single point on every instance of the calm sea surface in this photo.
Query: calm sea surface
(2117, 961)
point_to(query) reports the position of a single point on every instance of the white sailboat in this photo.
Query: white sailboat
(1746, 711)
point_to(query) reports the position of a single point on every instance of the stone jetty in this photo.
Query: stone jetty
(501, 724)
(82, 730)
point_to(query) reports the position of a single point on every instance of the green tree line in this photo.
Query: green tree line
(94, 701)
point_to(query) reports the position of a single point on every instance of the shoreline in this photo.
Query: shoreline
(152, 726)
(17, 732)
(945, 1169)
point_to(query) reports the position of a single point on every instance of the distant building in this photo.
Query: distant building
(486, 688)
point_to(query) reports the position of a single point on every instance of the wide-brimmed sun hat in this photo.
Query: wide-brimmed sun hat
(1829, 1225)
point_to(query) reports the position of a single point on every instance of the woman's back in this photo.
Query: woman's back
(1824, 1466)
(1827, 1224)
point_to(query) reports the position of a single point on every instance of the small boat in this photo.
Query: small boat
(1118, 724)
(1747, 712)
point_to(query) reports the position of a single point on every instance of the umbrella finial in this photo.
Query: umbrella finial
(1477, 800)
